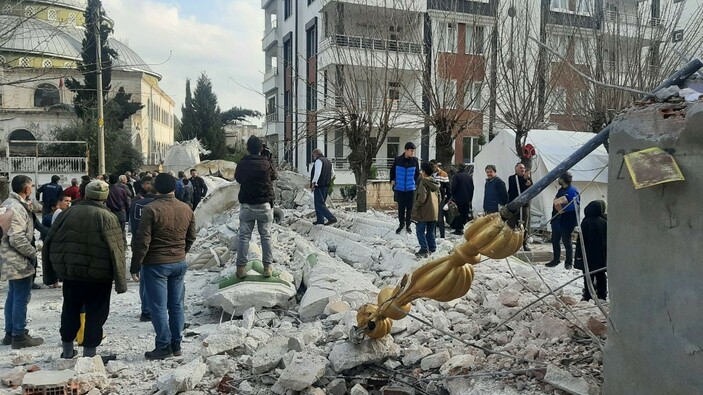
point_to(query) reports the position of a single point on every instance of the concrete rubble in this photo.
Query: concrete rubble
(290, 334)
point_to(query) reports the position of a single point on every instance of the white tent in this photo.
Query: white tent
(552, 146)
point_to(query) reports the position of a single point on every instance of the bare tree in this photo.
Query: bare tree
(368, 59)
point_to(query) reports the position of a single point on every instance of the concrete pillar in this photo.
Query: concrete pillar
(655, 245)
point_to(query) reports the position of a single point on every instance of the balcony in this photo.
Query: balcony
(383, 166)
(350, 50)
(46, 165)
(270, 81)
(270, 35)
(629, 24)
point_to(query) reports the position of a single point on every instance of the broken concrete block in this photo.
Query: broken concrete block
(457, 362)
(90, 373)
(567, 382)
(509, 298)
(46, 378)
(304, 370)
(270, 355)
(393, 390)
(228, 338)
(14, 377)
(596, 326)
(337, 387)
(245, 388)
(336, 307)
(358, 390)
(248, 318)
(435, 360)
(296, 343)
(185, 378)
(347, 355)
(548, 327)
(220, 365)
(414, 354)
(114, 367)
(313, 391)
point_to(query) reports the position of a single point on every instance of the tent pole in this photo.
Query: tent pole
(510, 210)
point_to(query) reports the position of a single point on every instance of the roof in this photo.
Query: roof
(77, 4)
(37, 37)
(554, 146)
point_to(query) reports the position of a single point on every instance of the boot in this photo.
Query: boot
(24, 341)
(268, 271)
(568, 265)
(553, 263)
(7, 340)
(159, 353)
(407, 229)
(176, 349)
(400, 228)
(242, 271)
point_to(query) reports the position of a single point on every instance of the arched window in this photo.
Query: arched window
(47, 63)
(71, 19)
(24, 149)
(52, 14)
(7, 9)
(21, 135)
(2, 60)
(29, 11)
(46, 95)
(24, 62)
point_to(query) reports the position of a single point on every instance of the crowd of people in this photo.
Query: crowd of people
(83, 228)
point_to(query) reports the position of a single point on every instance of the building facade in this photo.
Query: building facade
(41, 50)
(457, 57)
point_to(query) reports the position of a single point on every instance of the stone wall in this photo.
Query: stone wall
(654, 259)
(380, 195)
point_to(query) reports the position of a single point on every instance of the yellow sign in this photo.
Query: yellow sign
(652, 166)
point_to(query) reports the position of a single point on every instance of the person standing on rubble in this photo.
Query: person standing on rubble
(17, 257)
(564, 221)
(166, 233)
(85, 180)
(73, 191)
(135, 217)
(462, 195)
(405, 173)
(593, 239)
(86, 250)
(441, 177)
(49, 194)
(425, 209)
(199, 188)
(517, 184)
(495, 193)
(255, 174)
(320, 179)
(118, 201)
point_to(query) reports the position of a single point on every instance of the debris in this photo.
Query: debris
(220, 365)
(269, 356)
(358, 390)
(567, 382)
(596, 326)
(434, 361)
(509, 298)
(347, 355)
(90, 373)
(14, 377)
(185, 378)
(305, 369)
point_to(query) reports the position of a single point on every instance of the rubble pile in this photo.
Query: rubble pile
(290, 334)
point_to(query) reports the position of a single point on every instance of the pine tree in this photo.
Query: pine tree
(188, 130)
(239, 114)
(207, 119)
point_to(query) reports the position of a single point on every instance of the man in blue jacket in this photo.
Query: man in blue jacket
(496, 194)
(49, 194)
(404, 175)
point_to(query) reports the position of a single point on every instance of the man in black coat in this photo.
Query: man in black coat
(462, 193)
(594, 236)
(49, 194)
(495, 194)
(199, 188)
(517, 184)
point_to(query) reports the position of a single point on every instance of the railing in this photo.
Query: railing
(383, 165)
(376, 103)
(46, 165)
(272, 72)
(271, 26)
(630, 18)
(271, 118)
(340, 40)
(270, 34)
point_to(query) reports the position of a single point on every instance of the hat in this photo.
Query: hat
(409, 145)
(97, 190)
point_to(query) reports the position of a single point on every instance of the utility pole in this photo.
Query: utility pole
(101, 121)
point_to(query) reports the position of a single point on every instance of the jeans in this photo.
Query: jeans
(262, 215)
(321, 210)
(142, 294)
(562, 227)
(18, 295)
(405, 207)
(95, 297)
(425, 236)
(164, 289)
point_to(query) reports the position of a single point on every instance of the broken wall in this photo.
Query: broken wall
(654, 258)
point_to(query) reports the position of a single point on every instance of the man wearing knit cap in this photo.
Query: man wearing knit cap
(86, 250)
(166, 233)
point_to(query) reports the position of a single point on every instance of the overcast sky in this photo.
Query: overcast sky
(180, 39)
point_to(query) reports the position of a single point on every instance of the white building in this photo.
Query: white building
(236, 133)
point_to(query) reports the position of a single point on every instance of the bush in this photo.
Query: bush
(373, 173)
(348, 193)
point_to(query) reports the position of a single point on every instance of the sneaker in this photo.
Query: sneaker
(73, 355)
(145, 317)
(332, 221)
(36, 286)
(400, 229)
(157, 354)
(268, 271)
(7, 340)
(568, 265)
(24, 341)
(176, 349)
(526, 248)
(407, 229)
(552, 264)
(422, 254)
(108, 358)
(242, 271)
(318, 223)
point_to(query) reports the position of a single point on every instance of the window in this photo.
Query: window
(559, 5)
(559, 44)
(52, 14)
(29, 11)
(474, 39)
(470, 148)
(47, 63)
(581, 46)
(67, 65)
(447, 38)
(677, 36)
(71, 19)
(46, 95)
(392, 147)
(24, 62)
(584, 7)
(339, 143)
(7, 9)
(446, 93)
(472, 97)
(393, 91)
(559, 100)
(287, 9)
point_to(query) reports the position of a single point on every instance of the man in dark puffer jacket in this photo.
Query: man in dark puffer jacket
(86, 249)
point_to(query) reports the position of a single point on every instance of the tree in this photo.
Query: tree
(120, 154)
(239, 114)
(189, 130)
(206, 122)
(369, 71)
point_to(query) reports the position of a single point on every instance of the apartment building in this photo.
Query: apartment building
(319, 53)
